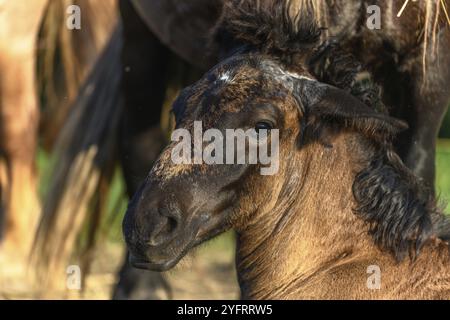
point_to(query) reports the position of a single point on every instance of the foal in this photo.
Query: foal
(341, 202)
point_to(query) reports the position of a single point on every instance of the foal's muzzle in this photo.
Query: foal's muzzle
(156, 232)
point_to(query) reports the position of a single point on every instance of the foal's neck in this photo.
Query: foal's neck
(301, 240)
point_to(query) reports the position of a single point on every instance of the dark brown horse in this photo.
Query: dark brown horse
(343, 200)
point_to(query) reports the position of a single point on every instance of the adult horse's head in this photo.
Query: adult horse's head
(265, 84)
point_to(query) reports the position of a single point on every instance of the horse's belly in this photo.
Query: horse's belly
(182, 25)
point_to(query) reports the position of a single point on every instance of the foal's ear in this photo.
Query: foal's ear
(323, 104)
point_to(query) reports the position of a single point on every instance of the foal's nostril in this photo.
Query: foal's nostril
(165, 228)
(172, 224)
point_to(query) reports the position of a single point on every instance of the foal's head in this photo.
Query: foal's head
(265, 84)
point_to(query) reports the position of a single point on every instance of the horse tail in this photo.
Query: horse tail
(65, 57)
(82, 166)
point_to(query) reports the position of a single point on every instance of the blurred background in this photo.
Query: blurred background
(62, 190)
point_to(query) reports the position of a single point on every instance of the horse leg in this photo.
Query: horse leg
(425, 111)
(19, 117)
(145, 62)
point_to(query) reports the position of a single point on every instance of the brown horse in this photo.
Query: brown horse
(19, 119)
(342, 201)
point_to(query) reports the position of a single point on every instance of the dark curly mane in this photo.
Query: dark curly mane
(267, 27)
(330, 64)
(396, 205)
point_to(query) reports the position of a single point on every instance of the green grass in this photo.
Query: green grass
(445, 128)
(43, 169)
(116, 202)
(443, 172)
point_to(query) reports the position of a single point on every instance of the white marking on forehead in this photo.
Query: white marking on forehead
(226, 77)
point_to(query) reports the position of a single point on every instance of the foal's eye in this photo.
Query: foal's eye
(263, 125)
